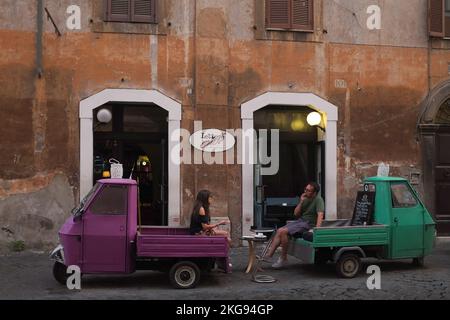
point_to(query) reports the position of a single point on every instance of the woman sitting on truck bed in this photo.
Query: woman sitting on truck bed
(201, 220)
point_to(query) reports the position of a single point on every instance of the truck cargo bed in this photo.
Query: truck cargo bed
(349, 236)
(165, 242)
(339, 233)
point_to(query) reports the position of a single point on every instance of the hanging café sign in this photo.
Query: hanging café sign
(231, 146)
(212, 140)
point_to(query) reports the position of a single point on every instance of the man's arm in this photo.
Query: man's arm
(298, 208)
(320, 216)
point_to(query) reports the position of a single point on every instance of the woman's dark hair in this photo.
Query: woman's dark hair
(316, 186)
(202, 201)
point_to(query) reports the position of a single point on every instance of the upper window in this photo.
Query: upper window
(112, 200)
(130, 11)
(439, 18)
(290, 14)
(402, 197)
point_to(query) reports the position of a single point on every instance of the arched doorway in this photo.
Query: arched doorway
(293, 101)
(301, 150)
(136, 99)
(434, 127)
(135, 135)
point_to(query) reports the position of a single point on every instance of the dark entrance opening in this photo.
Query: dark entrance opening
(434, 128)
(442, 168)
(442, 180)
(302, 159)
(137, 137)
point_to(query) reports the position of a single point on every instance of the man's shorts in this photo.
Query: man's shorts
(297, 227)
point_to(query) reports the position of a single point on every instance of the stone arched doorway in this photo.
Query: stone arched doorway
(434, 129)
(300, 100)
(148, 98)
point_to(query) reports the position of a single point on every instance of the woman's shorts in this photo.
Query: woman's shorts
(209, 232)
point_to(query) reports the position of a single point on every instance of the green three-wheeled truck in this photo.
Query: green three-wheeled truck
(392, 224)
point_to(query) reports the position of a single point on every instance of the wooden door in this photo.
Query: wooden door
(407, 222)
(104, 237)
(442, 181)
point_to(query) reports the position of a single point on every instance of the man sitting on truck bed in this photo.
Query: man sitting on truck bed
(310, 214)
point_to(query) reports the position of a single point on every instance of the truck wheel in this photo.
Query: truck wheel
(60, 273)
(418, 262)
(348, 265)
(184, 275)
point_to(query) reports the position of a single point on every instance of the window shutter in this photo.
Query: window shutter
(303, 15)
(436, 18)
(118, 10)
(278, 13)
(143, 10)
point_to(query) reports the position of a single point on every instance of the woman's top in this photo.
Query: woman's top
(196, 223)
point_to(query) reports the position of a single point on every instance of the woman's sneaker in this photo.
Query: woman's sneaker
(279, 264)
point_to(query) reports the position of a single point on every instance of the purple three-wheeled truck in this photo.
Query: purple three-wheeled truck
(103, 237)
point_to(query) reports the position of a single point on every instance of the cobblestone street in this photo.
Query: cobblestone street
(28, 275)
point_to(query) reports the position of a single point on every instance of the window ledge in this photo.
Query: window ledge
(276, 34)
(289, 30)
(100, 26)
(440, 43)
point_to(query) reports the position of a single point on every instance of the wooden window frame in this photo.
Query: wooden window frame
(446, 18)
(131, 17)
(290, 25)
(439, 9)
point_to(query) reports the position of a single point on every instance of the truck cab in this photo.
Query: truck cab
(399, 227)
(104, 236)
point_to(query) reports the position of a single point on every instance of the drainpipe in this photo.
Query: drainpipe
(40, 29)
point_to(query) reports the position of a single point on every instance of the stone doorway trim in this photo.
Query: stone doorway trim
(428, 131)
(330, 114)
(150, 98)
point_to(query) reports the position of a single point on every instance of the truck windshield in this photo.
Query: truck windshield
(78, 210)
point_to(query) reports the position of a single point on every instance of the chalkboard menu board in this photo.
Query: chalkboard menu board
(364, 208)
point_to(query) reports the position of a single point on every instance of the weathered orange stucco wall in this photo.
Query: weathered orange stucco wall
(215, 52)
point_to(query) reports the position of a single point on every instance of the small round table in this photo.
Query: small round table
(251, 250)
(261, 278)
(264, 231)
